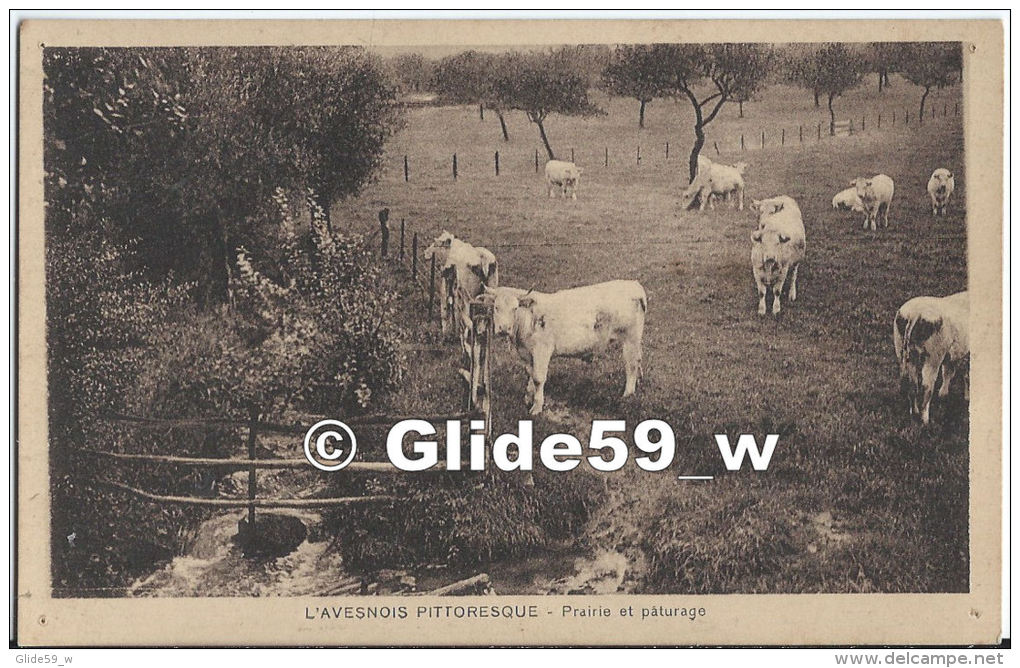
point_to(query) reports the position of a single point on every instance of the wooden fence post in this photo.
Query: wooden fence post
(819, 132)
(956, 109)
(639, 154)
(933, 111)
(536, 161)
(862, 123)
(782, 140)
(406, 172)
(478, 397)
(497, 163)
(667, 151)
(716, 144)
(906, 118)
(763, 139)
(879, 121)
(253, 419)
(414, 256)
(432, 286)
(945, 109)
(800, 131)
(401, 239)
(454, 166)
(571, 154)
(741, 141)
(894, 118)
(606, 164)
(384, 217)
(850, 128)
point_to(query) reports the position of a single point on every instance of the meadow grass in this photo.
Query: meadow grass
(857, 498)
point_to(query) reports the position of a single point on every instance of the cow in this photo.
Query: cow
(940, 188)
(876, 195)
(931, 339)
(465, 271)
(777, 249)
(578, 322)
(562, 175)
(848, 199)
(715, 179)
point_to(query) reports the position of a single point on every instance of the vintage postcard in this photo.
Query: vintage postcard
(545, 332)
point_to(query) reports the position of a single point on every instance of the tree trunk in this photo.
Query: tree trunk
(740, 106)
(699, 142)
(924, 97)
(641, 115)
(832, 117)
(885, 75)
(545, 140)
(817, 104)
(502, 125)
(214, 287)
(880, 80)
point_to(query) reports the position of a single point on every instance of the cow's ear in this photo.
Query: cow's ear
(783, 238)
(777, 207)
(756, 236)
(526, 302)
(853, 183)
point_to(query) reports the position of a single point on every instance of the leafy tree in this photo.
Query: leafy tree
(467, 78)
(727, 71)
(183, 147)
(634, 72)
(412, 72)
(539, 86)
(831, 70)
(930, 65)
(883, 58)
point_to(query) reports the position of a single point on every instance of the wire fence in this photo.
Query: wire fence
(520, 161)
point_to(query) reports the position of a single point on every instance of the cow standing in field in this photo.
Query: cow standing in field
(579, 322)
(931, 338)
(562, 175)
(466, 271)
(714, 179)
(777, 249)
(940, 188)
(848, 199)
(876, 195)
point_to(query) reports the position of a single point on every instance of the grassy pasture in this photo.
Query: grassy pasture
(857, 498)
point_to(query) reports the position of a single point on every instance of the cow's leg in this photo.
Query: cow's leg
(867, 218)
(632, 363)
(777, 293)
(550, 189)
(934, 206)
(946, 372)
(740, 197)
(762, 291)
(929, 372)
(885, 208)
(793, 282)
(704, 199)
(539, 371)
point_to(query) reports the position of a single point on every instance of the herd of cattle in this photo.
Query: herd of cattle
(930, 334)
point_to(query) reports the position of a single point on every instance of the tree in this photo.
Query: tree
(830, 70)
(412, 72)
(182, 148)
(725, 70)
(467, 78)
(883, 58)
(539, 86)
(634, 72)
(930, 65)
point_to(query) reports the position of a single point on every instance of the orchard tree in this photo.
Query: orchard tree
(931, 65)
(831, 70)
(467, 78)
(883, 58)
(708, 76)
(539, 86)
(634, 71)
(412, 72)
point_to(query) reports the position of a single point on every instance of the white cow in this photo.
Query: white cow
(578, 322)
(562, 175)
(931, 338)
(777, 249)
(848, 199)
(465, 271)
(940, 188)
(713, 179)
(876, 195)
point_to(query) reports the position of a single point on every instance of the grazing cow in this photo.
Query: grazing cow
(562, 175)
(848, 199)
(940, 188)
(465, 271)
(715, 179)
(777, 249)
(932, 341)
(579, 322)
(876, 195)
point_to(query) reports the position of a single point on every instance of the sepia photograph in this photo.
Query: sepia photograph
(365, 322)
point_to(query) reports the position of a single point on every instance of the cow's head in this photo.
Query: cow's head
(505, 304)
(767, 207)
(741, 167)
(862, 185)
(690, 195)
(440, 246)
(774, 248)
